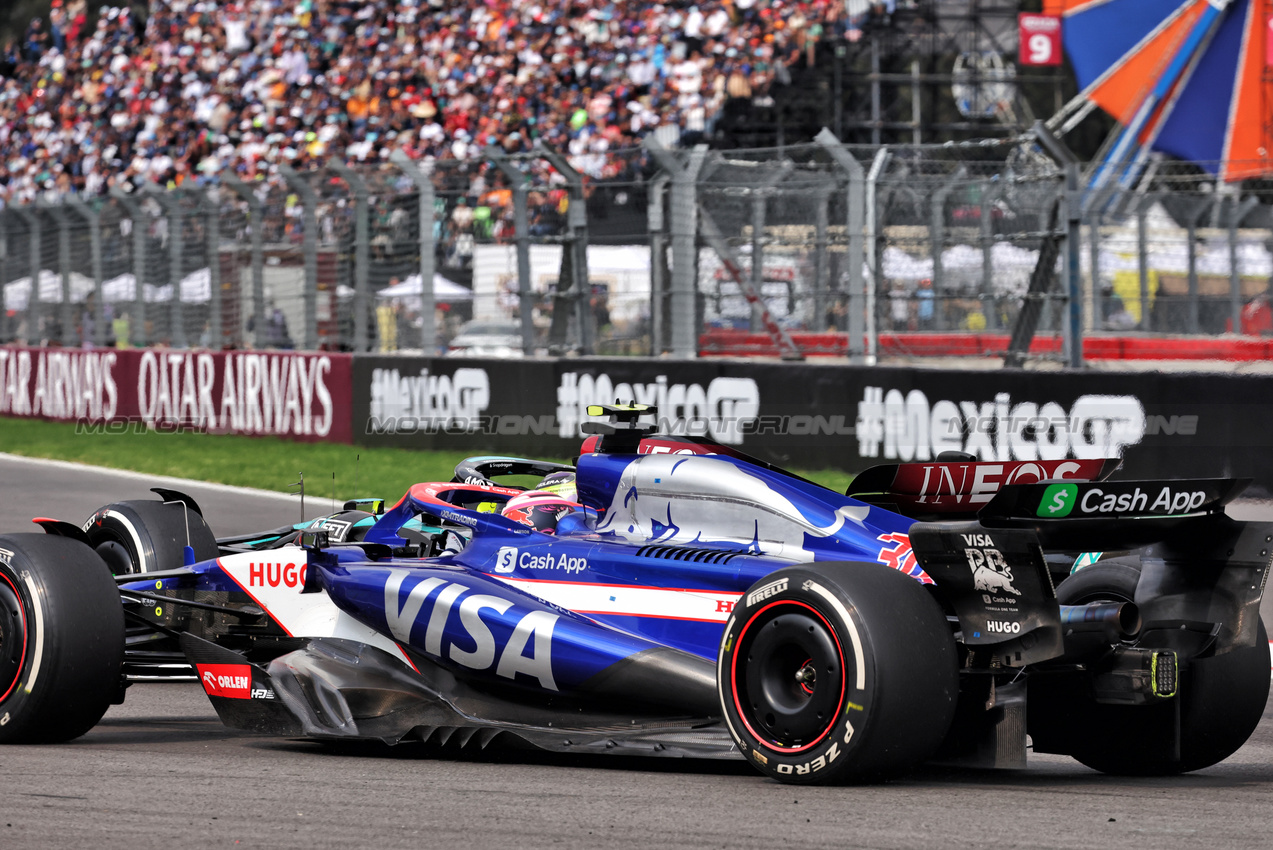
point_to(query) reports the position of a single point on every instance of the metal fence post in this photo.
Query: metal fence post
(856, 210)
(1191, 230)
(1072, 327)
(1238, 211)
(94, 219)
(1142, 256)
(656, 224)
(309, 247)
(66, 309)
(63, 269)
(759, 201)
(521, 234)
(362, 248)
(683, 302)
(176, 253)
(4, 268)
(212, 228)
(821, 262)
(758, 198)
(171, 203)
(577, 226)
(137, 322)
(683, 198)
(422, 177)
(1073, 205)
(872, 180)
(1096, 297)
(32, 335)
(986, 236)
(256, 221)
(937, 240)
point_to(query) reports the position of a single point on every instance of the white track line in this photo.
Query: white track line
(145, 477)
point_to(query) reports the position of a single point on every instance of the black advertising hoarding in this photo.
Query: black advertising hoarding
(452, 403)
(1163, 425)
(812, 416)
(535, 407)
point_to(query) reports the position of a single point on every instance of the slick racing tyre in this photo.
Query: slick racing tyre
(837, 672)
(61, 639)
(1221, 698)
(144, 536)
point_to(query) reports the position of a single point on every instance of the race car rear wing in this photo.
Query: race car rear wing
(1202, 574)
(1108, 515)
(959, 489)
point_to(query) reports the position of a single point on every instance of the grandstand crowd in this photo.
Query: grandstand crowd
(91, 100)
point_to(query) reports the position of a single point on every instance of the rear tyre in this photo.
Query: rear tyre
(1104, 581)
(144, 536)
(1221, 699)
(839, 672)
(61, 639)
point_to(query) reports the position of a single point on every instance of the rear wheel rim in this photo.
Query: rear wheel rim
(13, 636)
(117, 557)
(788, 676)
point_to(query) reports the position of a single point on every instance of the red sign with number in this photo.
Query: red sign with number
(1040, 39)
(1268, 42)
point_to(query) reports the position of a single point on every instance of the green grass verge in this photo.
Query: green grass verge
(268, 463)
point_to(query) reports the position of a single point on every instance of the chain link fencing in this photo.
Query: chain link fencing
(1183, 255)
(818, 248)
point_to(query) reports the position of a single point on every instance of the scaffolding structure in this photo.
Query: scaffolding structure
(924, 72)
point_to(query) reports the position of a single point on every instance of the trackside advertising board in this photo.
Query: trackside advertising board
(303, 396)
(1164, 425)
(813, 416)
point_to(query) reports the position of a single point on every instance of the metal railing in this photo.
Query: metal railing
(817, 247)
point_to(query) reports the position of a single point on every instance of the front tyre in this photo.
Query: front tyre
(61, 639)
(837, 672)
(142, 536)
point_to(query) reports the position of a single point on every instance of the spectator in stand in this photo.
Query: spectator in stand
(1257, 317)
(93, 101)
(924, 300)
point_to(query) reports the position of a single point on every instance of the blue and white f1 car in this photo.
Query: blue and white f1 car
(668, 596)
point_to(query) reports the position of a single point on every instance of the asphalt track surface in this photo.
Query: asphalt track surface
(161, 771)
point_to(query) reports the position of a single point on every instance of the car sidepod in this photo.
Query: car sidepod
(444, 651)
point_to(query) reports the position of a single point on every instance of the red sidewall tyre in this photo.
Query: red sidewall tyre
(61, 639)
(837, 672)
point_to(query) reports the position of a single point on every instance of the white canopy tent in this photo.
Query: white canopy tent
(624, 269)
(17, 293)
(1010, 265)
(443, 289)
(196, 288)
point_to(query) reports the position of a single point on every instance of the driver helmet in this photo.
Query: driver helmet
(539, 509)
(560, 483)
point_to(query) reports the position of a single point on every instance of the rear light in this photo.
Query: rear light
(1165, 673)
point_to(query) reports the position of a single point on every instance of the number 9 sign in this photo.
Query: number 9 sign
(1040, 39)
